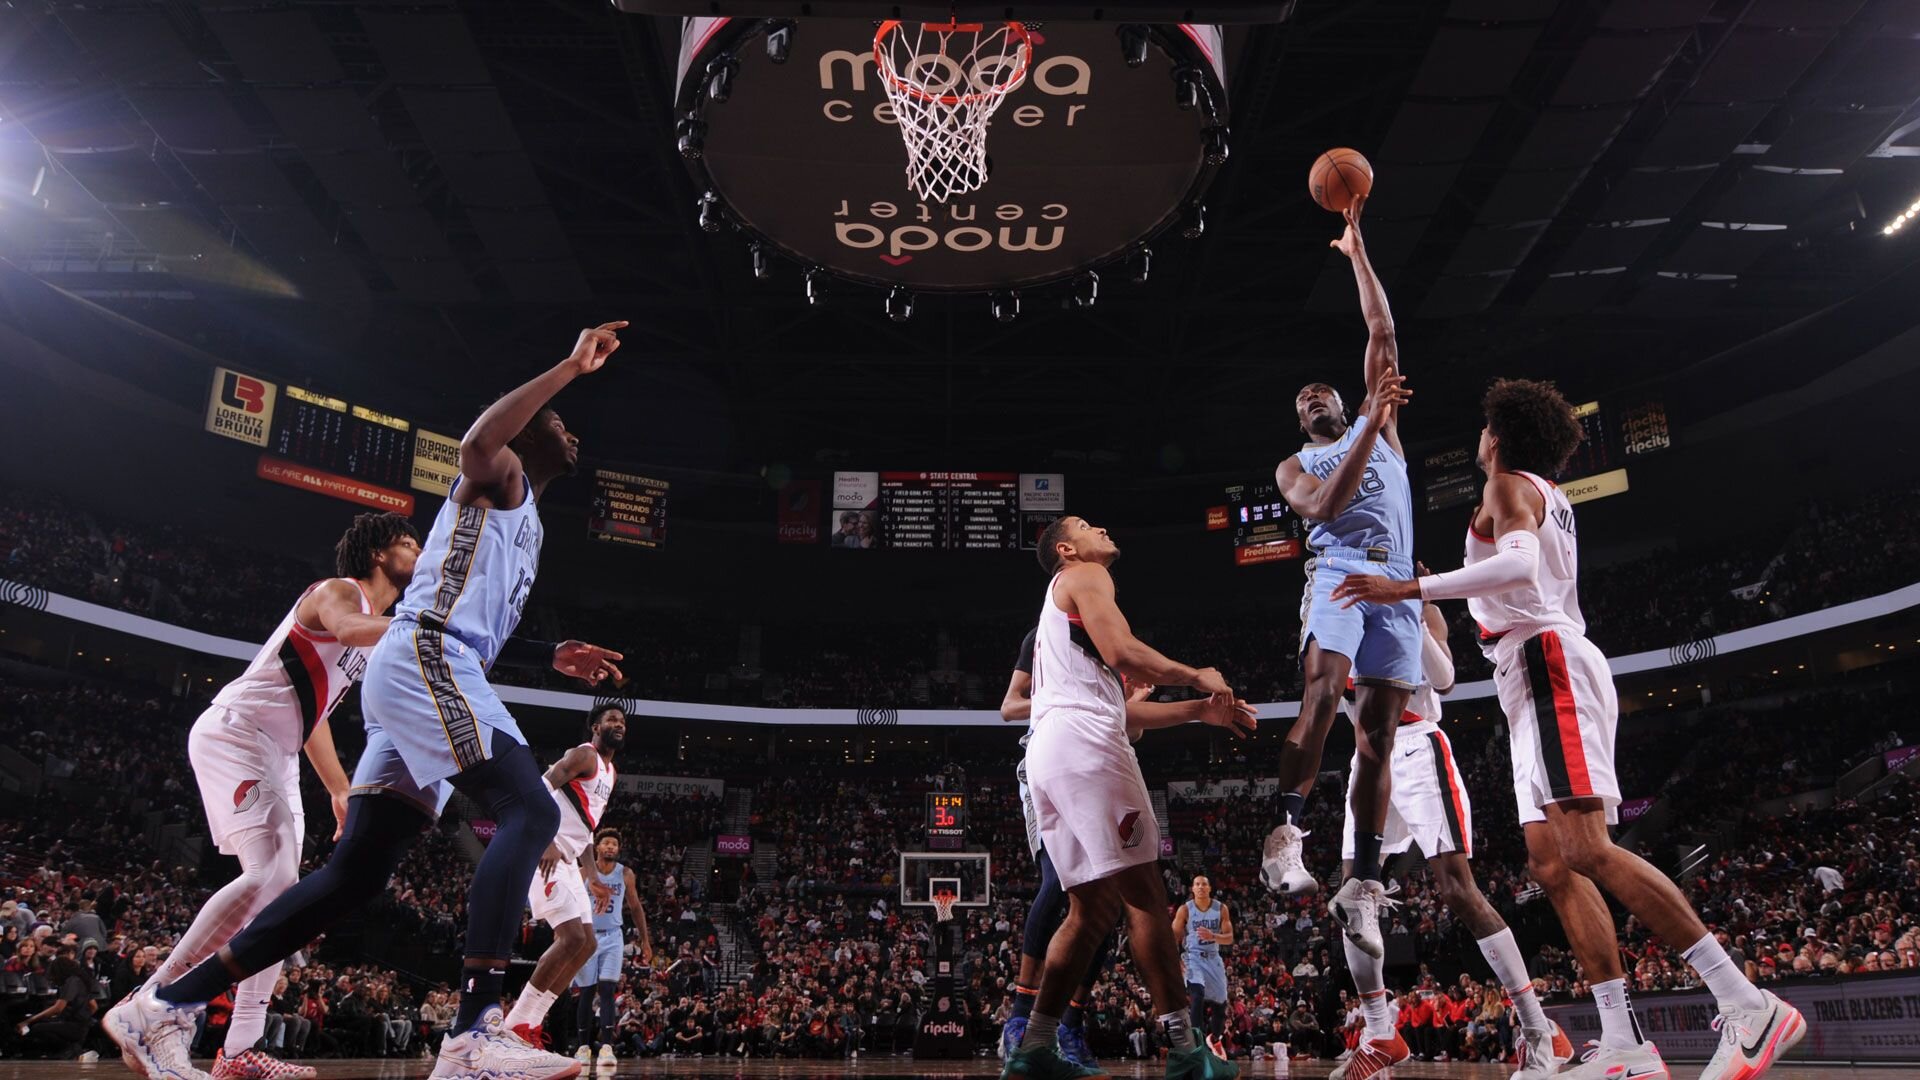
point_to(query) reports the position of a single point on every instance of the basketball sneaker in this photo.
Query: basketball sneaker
(1539, 1054)
(606, 1060)
(1751, 1039)
(1280, 865)
(1600, 1062)
(1199, 1063)
(1372, 1056)
(1356, 907)
(155, 1037)
(488, 1049)
(532, 1034)
(256, 1065)
(1075, 1048)
(1011, 1035)
(1045, 1063)
(583, 1054)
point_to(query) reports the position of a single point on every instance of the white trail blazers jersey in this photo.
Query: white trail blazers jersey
(1068, 673)
(296, 678)
(583, 803)
(1552, 602)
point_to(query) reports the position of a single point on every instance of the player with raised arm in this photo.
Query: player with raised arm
(245, 749)
(1430, 806)
(1095, 815)
(433, 724)
(565, 894)
(1521, 584)
(1049, 903)
(1351, 483)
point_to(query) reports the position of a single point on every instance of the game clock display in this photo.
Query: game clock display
(946, 819)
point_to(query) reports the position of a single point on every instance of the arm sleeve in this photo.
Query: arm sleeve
(1513, 565)
(526, 653)
(1024, 661)
(1437, 660)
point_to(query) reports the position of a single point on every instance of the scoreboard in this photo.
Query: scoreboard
(351, 440)
(1265, 528)
(946, 820)
(960, 511)
(628, 509)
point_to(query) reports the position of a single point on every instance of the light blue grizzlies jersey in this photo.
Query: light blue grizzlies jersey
(1196, 919)
(1381, 512)
(612, 918)
(474, 573)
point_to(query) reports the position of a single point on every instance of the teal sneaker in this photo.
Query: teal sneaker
(1046, 1063)
(1199, 1063)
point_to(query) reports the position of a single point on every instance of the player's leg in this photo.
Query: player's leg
(560, 900)
(1043, 918)
(1073, 1034)
(1327, 632)
(1092, 908)
(1379, 1045)
(1156, 958)
(584, 1015)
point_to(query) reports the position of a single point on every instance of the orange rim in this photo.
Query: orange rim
(1023, 51)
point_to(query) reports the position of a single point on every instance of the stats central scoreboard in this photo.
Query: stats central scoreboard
(966, 511)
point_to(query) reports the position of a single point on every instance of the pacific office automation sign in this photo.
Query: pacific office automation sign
(1862, 1018)
(1087, 156)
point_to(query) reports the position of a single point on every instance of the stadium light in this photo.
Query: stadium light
(1901, 219)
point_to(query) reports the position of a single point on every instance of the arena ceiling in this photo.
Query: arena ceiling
(412, 203)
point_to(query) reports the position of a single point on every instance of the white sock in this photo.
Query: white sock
(1370, 978)
(531, 1008)
(1503, 956)
(249, 1021)
(1728, 983)
(1177, 1026)
(1041, 1031)
(1618, 1028)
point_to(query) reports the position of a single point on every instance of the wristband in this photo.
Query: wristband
(527, 653)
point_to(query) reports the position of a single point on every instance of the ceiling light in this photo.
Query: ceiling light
(1900, 220)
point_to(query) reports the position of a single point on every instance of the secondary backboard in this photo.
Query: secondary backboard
(968, 874)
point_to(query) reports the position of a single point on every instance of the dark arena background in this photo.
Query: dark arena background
(263, 264)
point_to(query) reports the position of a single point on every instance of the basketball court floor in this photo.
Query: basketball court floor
(905, 1068)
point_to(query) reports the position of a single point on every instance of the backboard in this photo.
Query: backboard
(969, 874)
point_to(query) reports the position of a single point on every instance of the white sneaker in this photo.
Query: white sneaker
(1280, 865)
(155, 1037)
(1539, 1054)
(489, 1050)
(1618, 1063)
(583, 1054)
(1356, 907)
(89, 1057)
(606, 1059)
(1751, 1039)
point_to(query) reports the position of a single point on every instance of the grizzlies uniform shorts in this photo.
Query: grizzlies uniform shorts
(428, 691)
(1382, 640)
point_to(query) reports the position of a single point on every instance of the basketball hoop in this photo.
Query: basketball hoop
(945, 81)
(943, 902)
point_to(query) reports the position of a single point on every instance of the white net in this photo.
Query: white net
(945, 80)
(943, 906)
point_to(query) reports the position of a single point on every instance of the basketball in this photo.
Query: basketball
(1337, 176)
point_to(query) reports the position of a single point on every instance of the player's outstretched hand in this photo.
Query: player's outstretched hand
(1388, 394)
(602, 895)
(595, 345)
(1139, 691)
(1210, 682)
(1374, 589)
(1227, 711)
(589, 662)
(1350, 243)
(548, 860)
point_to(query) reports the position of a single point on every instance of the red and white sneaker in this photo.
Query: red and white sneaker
(257, 1065)
(534, 1035)
(1641, 1062)
(1539, 1054)
(1751, 1039)
(1372, 1057)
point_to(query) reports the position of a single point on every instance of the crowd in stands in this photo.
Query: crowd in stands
(1833, 554)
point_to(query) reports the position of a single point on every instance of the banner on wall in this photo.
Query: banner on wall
(1263, 787)
(1863, 1018)
(733, 845)
(436, 462)
(670, 785)
(240, 407)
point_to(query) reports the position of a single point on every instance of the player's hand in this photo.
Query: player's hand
(1210, 682)
(1140, 691)
(595, 345)
(1205, 934)
(1227, 711)
(548, 860)
(1350, 243)
(589, 662)
(1386, 397)
(1374, 589)
(339, 800)
(602, 896)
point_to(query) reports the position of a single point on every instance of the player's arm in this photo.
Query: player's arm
(1017, 705)
(639, 912)
(592, 664)
(1219, 710)
(326, 765)
(1317, 500)
(1180, 923)
(334, 607)
(1516, 508)
(1436, 659)
(1383, 348)
(1224, 935)
(487, 462)
(576, 764)
(1087, 590)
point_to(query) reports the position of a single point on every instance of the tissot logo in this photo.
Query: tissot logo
(237, 391)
